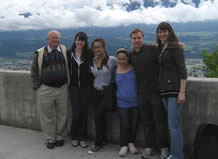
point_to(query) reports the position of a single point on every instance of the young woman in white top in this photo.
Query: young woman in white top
(102, 71)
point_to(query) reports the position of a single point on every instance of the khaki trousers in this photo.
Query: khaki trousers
(53, 109)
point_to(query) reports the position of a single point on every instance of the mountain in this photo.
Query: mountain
(197, 36)
(136, 4)
(133, 5)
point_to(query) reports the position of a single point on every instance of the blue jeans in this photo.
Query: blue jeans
(174, 121)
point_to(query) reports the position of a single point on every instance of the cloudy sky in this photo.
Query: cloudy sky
(40, 14)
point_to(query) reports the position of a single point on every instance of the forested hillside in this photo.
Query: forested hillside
(196, 36)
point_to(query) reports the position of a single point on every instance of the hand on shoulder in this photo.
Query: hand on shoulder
(182, 45)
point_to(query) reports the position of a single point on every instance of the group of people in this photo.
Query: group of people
(150, 83)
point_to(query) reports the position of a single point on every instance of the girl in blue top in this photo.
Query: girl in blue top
(127, 102)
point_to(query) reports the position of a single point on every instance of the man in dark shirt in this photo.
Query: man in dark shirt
(144, 59)
(50, 75)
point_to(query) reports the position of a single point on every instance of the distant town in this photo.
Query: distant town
(16, 65)
(195, 67)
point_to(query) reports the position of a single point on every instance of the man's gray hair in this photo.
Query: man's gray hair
(54, 31)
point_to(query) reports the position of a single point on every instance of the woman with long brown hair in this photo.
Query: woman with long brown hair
(172, 82)
(80, 59)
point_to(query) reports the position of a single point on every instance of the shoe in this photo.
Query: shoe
(147, 153)
(169, 157)
(132, 148)
(59, 143)
(50, 144)
(164, 153)
(123, 151)
(75, 143)
(94, 149)
(83, 144)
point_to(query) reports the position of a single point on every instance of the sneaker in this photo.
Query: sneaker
(94, 149)
(59, 143)
(169, 157)
(50, 144)
(147, 153)
(123, 151)
(132, 148)
(83, 144)
(75, 142)
(164, 153)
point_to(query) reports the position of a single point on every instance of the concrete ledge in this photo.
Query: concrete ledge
(18, 106)
(17, 100)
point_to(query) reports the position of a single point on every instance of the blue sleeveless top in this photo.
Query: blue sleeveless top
(126, 89)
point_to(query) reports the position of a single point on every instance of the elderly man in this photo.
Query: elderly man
(144, 59)
(50, 76)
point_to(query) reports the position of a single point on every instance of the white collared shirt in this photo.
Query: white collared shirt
(50, 49)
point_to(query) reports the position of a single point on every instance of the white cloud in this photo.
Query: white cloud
(101, 13)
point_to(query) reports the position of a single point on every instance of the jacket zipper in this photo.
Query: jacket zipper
(79, 75)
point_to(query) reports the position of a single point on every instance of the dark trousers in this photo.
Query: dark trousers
(79, 100)
(154, 119)
(99, 118)
(128, 125)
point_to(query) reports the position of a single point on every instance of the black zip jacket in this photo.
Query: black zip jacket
(80, 75)
(172, 69)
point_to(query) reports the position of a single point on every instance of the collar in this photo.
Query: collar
(77, 61)
(141, 50)
(50, 49)
(172, 44)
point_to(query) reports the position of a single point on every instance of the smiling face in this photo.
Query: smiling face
(53, 39)
(80, 43)
(163, 35)
(137, 40)
(122, 59)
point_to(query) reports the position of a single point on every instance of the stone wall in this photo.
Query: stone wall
(18, 107)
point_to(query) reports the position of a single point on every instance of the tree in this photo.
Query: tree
(211, 62)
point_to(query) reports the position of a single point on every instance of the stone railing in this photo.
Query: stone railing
(18, 107)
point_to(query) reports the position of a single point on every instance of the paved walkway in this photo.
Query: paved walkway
(16, 143)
